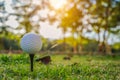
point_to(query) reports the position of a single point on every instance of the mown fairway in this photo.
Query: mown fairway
(16, 67)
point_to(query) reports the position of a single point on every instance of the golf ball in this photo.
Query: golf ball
(31, 43)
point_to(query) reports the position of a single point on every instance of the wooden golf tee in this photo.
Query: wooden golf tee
(31, 61)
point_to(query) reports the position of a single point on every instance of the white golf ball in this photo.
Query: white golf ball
(31, 43)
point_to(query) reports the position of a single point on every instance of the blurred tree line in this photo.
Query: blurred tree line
(78, 17)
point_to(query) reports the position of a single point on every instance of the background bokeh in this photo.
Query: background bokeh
(77, 26)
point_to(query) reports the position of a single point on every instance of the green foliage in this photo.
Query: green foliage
(91, 46)
(106, 15)
(9, 42)
(116, 47)
(78, 68)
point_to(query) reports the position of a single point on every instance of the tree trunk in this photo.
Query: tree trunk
(104, 42)
(74, 44)
(106, 27)
(80, 35)
(78, 41)
(99, 43)
(64, 40)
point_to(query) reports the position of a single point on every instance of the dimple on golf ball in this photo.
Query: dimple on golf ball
(31, 43)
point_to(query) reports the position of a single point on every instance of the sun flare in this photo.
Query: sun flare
(57, 4)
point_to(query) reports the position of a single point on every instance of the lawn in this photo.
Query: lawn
(16, 67)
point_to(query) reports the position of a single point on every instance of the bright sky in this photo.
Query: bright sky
(50, 31)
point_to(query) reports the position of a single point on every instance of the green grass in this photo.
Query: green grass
(16, 67)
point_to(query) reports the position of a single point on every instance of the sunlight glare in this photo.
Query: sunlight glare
(57, 4)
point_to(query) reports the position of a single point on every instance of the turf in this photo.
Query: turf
(16, 67)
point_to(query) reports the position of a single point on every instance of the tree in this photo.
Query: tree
(73, 18)
(6, 35)
(25, 11)
(105, 15)
(28, 14)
